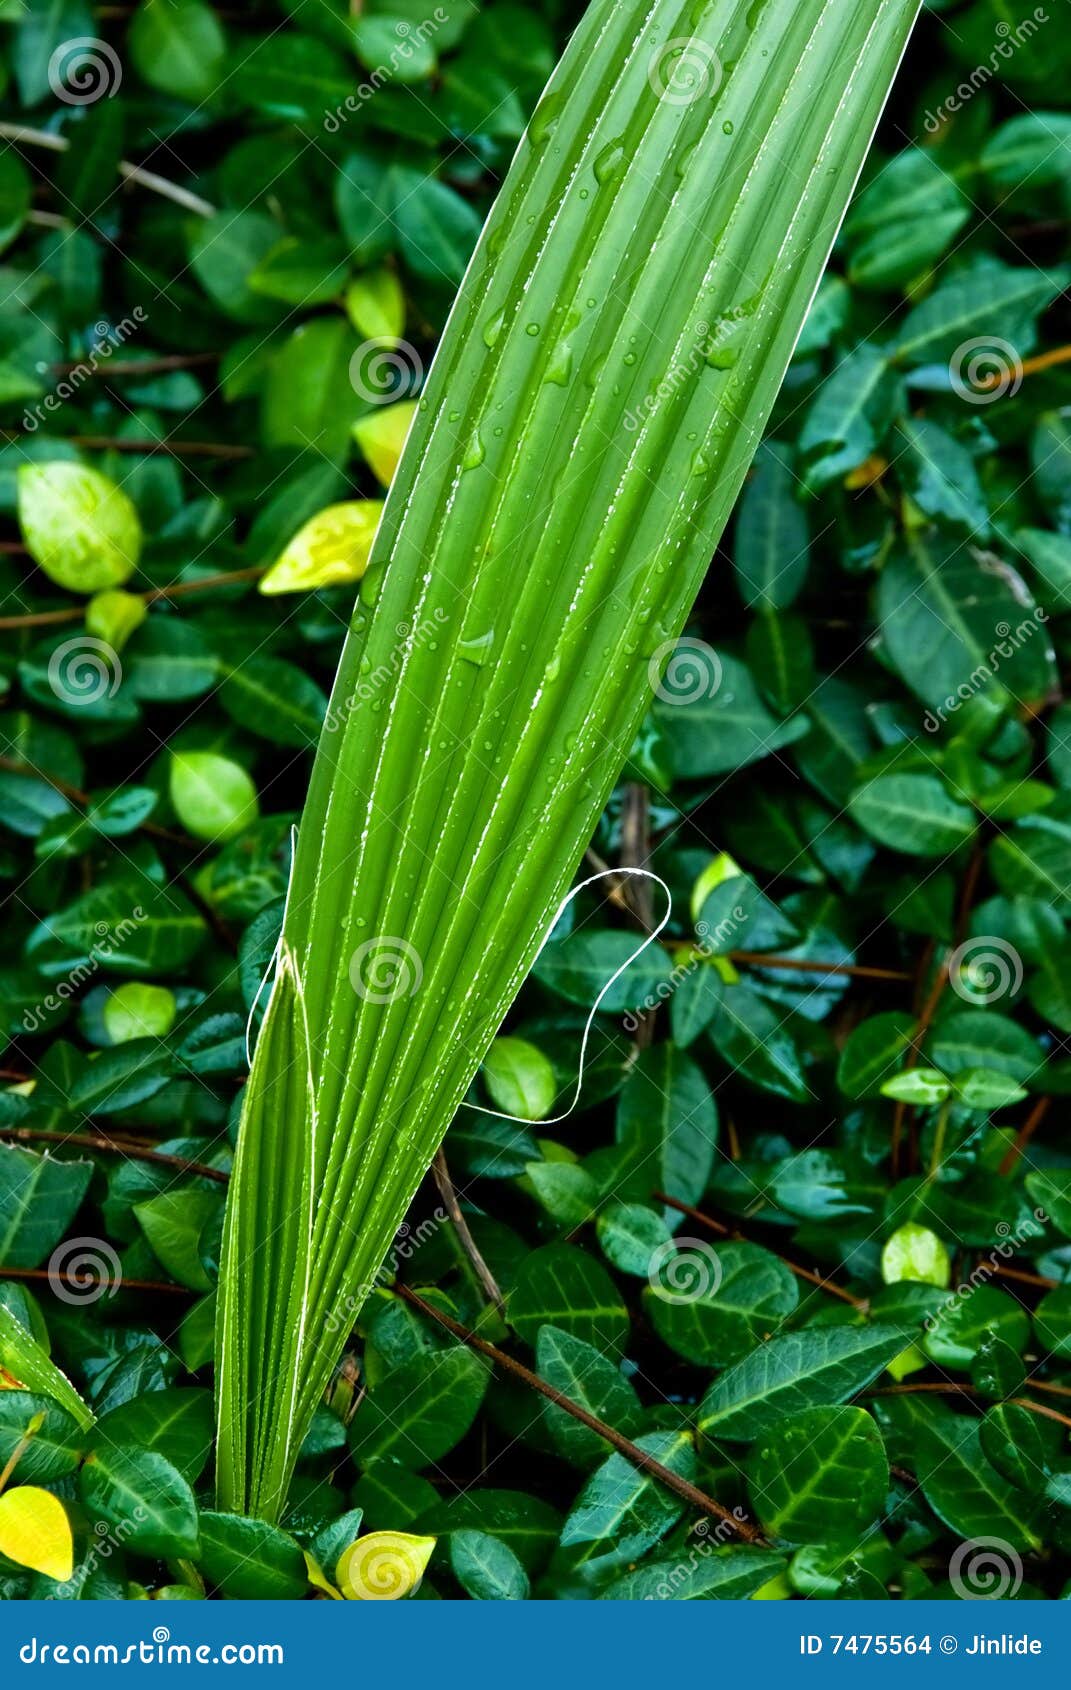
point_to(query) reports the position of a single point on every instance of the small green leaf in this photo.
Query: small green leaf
(820, 1476)
(817, 1366)
(214, 798)
(140, 1491)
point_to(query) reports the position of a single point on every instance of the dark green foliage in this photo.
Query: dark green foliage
(858, 758)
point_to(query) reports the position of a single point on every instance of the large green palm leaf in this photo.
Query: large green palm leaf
(599, 392)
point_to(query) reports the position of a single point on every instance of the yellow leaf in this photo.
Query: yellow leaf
(375, 305)
(383, 1567)
(331, 549)
(35, 1531)
(114, 615)
(381, 437)
(318, 1578)
(867, 473)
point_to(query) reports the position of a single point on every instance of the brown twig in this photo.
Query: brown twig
(441, 1174)
(174, 590)
(23, 134)
(113, 1147)
(927, 1387)
(135, 367)
(1032, 366)
(617, 1440)
(16, 767)
(724, 1231)
(1042, 1281)
(147, 448)
(808, 965)
(922, 1027)
(1024, 1135)
(1039, 1408)
(1054, 1390)
(52, 1274)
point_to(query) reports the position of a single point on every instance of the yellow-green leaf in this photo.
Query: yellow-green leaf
(375, 304)
(35, 1531)
(115, 615)
(214, 798)
(383, 1567)
(382, 435)
(329, 550)
(79, 527)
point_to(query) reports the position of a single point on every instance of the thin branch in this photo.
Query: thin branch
(25, 136)
(76, 613)
(483, 1273)
(922, 1027)
(1039, 1408)
(808, 965)
(52, 1274)
(114, 1147)
(927, 1387)
(1024, 1135)
(136, 367)
(145, 448)
(724, 1231)
(1041, 1280)
(15, 766)
(1032, 366)
(624, 1446)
